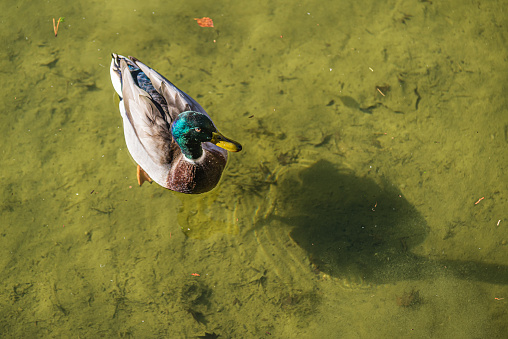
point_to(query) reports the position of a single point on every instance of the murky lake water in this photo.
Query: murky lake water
(370, 130)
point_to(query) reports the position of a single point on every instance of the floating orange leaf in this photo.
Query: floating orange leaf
(204, 22)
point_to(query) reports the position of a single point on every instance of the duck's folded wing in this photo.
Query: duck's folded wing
(177, 100)
(150, 125)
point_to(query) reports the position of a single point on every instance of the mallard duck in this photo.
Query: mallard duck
(169, 135)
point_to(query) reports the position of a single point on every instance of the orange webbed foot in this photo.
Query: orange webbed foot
(142, 176)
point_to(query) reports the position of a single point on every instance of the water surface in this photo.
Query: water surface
(370, 129)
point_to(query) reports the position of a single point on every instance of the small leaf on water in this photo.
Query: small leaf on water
(204, 22)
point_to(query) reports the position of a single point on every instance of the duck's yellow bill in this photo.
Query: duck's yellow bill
(223, 142)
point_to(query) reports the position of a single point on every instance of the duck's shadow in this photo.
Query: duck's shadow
(356, 228)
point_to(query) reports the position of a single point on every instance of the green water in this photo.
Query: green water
(370, 129)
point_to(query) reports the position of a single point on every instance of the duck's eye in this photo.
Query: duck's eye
(197, 129)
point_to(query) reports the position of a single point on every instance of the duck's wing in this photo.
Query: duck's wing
(177, 100)
(148, 120)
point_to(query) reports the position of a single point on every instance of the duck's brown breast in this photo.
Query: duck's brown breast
(196, 177)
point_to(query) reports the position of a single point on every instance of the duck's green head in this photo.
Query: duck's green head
(191, 128)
